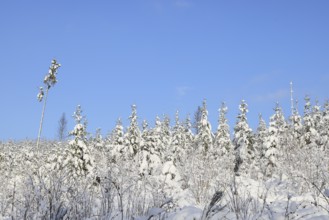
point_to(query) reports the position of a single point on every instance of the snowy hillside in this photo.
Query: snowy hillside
(166, 171)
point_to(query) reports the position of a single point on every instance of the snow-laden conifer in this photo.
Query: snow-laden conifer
(178, 142)
(159, 138)
(260, 142)
(310, 134)
(188, 139)
(78, 156)
(98, 141)
(204, 139)
(222, 144)
(243, 142)
(325, 126)
(317, 120)
(166, 131)
(151, 150)
(273, 143)
(133, 134)
(296, 127)
(260, 136)
(117, 143)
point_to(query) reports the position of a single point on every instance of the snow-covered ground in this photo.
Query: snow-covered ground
(280, 171)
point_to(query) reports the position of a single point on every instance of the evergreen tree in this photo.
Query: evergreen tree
(98, 141)
(117, 143)
(243, 142)
(158, 137)
(222, 143)
(151, 150)
(325, 126)
(144, 126)
(133, 135)
(177, 144)
(204, 139)
(78, 156)
(261, 135)
(317, 120)
(273, 143)
(188, 137)
(317, 116)
(260, 140)
(118, 137)
(310, 135)
(296, 127)
(165, 137)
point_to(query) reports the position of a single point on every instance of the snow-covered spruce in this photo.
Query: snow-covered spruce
(204, 138)
(274, 142)
(243, 141)
(78, 156)
(133, 135)
(222, 144)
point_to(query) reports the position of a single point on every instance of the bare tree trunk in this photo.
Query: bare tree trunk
(42, 116)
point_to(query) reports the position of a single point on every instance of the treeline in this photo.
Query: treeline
(133, 169)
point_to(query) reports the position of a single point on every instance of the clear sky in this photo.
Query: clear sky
(162, 55)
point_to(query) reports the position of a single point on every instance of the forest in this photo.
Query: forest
(278, 171)
(172, 170)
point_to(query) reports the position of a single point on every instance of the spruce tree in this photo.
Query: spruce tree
(78, 156)
(296, 128)
(117, 143)
(159, 139)
(243, 142)
(188, 137)
(261, 135)
(177, 147)
(222, 144)
(133, 134)
(317, 120)
(273, 143)
(325, 126)
(151, 150)
(260, 140)
(166, 131)
(310, 134)
(98, 141)
(204, 139)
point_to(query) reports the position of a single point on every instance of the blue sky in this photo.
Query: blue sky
(162, 55)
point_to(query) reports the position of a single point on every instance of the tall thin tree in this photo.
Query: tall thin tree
(49, 81)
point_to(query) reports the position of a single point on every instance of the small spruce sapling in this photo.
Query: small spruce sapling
(78, 154)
